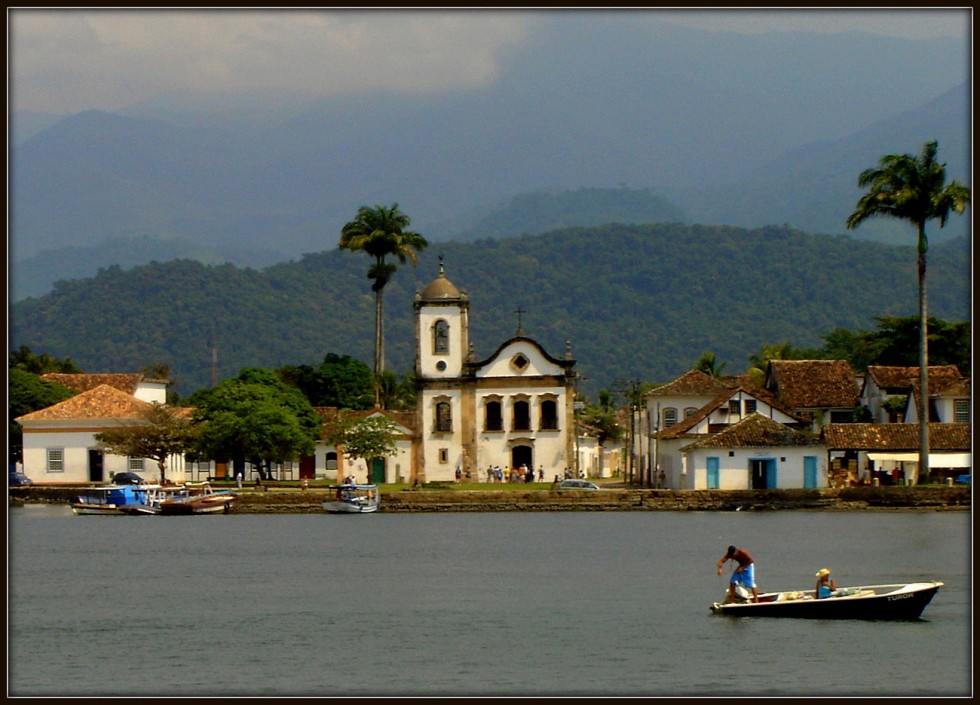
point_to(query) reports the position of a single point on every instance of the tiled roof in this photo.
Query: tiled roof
(102, 402)
(890, 377)
(331, 414)
(691, 383)
(895, 436)
(124, 382)
(756, 431)
(814, 384)
(681, 428)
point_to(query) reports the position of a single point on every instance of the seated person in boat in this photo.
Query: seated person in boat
(744, 573)
(825, 584)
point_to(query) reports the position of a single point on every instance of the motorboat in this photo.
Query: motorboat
(110, 499)
(898, 601)
(198, 498)
(353, 499)
(155, 496)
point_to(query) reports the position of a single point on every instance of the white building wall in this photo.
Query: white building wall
(152, 392)
(734, 472)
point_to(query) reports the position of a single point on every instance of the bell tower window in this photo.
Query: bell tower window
(440, 337)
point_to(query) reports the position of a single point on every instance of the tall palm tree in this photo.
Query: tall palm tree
(381, 232)
(913, 189)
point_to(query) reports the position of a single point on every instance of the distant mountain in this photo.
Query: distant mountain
(698, 120)
(632, 301)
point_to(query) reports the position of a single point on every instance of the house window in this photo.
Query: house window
(549, 415)
(733, 406)
(750, 406)
(522, 416)
(135, 464)
(331, 461)
(444, 417)
(493, 417)
(56, 460)
(440, 337)
(443, 456)
(670, 417)
(690, 411)
(961, 410)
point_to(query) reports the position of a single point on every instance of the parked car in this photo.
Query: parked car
(18, 479)
(127, 478)
(577, 485)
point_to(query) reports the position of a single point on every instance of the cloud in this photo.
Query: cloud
(70, 60)
(66, 61)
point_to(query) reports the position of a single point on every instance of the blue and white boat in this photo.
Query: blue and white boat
(353, 499)
(112, 499)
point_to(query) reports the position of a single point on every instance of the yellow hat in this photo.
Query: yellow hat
(822, 572)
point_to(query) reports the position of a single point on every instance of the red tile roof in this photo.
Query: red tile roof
(102, 402)
(691, 383)
(124, 382)
(891, 377)
(814, 384)
(757, 431)
(895, 436)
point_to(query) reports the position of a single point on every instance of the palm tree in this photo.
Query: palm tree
(913, 189)
(381, 232)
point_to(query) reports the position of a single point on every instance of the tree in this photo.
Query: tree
(368, 438)
(28, 392)
(381, 232)
(163, 431)
(914, 189)
(257, 418)
(397, 392)
(339, 381)
(24, 359)
(709, 365)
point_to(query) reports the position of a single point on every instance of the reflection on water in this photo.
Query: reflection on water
(472, 604)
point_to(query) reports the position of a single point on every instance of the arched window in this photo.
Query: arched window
(522, 416)
(444, 417)
(690, 411)
(331, 461)
(440, 337)
(549, 415)
(670, 417)
(493, 416)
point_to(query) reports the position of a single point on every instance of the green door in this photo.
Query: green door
(378, 470)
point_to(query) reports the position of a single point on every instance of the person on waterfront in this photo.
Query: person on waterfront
(825, 584)
(744, 573)
(541, 473)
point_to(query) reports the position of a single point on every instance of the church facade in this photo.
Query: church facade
(514, 408)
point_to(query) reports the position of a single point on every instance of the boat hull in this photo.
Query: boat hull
(345, 508)
(216, 505)
(902, 603)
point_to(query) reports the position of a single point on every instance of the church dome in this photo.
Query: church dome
(440, 289)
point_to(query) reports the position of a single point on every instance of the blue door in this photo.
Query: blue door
(713, 464)
(809, 471)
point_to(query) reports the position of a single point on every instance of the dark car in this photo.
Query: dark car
(127, 478)
(18, 479)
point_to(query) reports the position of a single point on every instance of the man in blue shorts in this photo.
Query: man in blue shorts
(744, 573)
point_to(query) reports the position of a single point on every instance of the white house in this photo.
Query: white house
(884, 383)
(726, 410)
(60, 446)
(134, 383)
(823, 391)
(755, 453)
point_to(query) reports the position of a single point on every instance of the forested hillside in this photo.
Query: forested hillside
(633, 301)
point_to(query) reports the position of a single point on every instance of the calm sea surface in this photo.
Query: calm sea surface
(511, 604)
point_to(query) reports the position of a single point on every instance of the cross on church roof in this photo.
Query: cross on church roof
(519, 311)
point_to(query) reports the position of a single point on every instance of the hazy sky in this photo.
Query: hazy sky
(68, 60)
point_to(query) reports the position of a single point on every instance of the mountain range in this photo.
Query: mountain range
(582, 127)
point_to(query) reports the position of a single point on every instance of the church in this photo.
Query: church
(514, 408)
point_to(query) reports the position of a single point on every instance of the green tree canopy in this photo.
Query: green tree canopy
(368, 438)
(163, 432)
(24, 359)
(339, 381)
(257, 418)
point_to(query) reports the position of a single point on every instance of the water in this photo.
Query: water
(507, 604)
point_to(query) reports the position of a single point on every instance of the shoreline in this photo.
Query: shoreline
(295, 500)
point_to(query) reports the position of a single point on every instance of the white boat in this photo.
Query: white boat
(353, 499)
(198, 498)
(901, 601)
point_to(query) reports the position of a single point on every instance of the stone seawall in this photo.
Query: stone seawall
(297, 501)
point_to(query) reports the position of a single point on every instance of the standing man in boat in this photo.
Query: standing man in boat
(744, 573)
